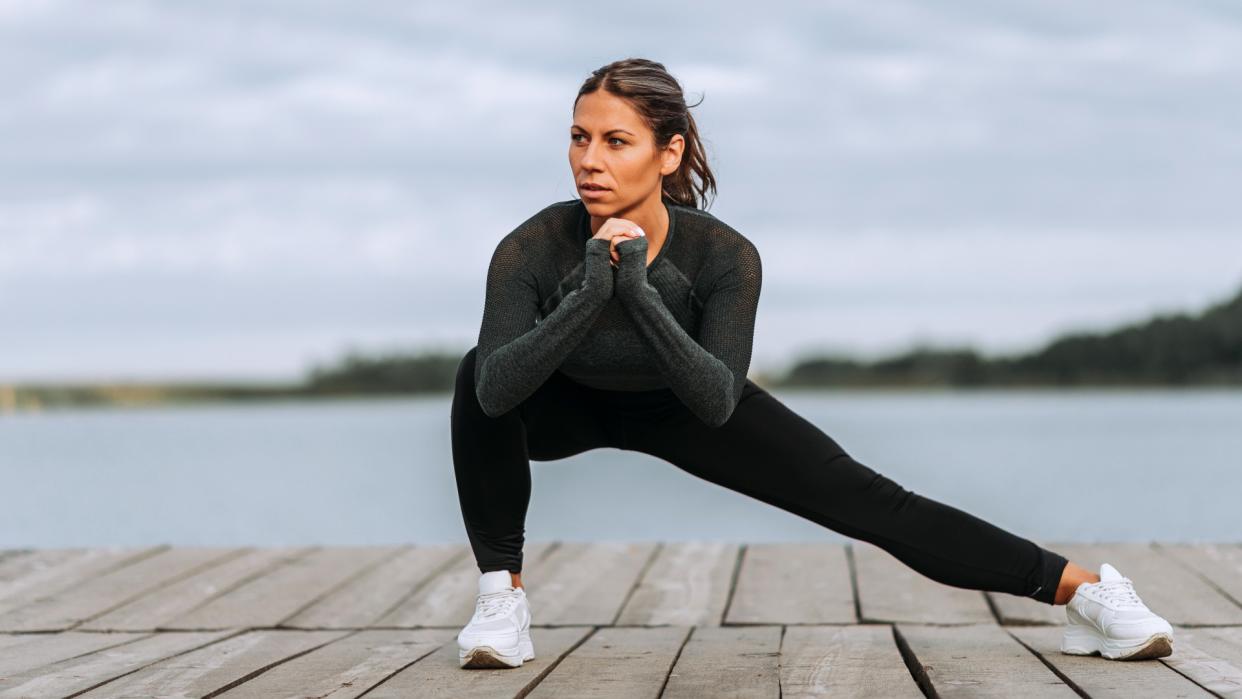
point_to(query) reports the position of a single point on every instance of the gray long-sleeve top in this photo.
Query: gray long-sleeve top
(554, 303)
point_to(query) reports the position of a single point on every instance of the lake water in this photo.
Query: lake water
(1051, 465)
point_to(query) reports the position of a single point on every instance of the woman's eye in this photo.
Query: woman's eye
(575, 137)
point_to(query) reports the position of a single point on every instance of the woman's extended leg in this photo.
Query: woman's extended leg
(491, 458)
(769, 452)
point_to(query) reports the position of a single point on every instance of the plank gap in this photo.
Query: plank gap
(638, 581)
(158, 659)
(448, 564)
(1164, 553)
(852, 567)
(530, 687)
(913, 665)
(737, 571)
(1055, 670)
(255, 673)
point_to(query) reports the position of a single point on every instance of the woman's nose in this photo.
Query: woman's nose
(588, 156)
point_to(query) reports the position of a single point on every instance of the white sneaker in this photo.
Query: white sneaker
(1109, 618)
(498, 634)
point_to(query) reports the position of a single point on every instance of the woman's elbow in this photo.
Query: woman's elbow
(723, 410)
(491, 400)
(727, 399)
(492, 406)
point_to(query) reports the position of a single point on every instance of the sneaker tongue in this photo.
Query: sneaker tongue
(1108, 572)
(495, 581)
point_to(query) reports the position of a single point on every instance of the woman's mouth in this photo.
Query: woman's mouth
(593, 190)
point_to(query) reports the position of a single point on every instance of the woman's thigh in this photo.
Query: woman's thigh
(771, 453)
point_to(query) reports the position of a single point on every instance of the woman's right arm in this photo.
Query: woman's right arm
(517, 352)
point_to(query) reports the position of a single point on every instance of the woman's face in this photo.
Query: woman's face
(611, 146)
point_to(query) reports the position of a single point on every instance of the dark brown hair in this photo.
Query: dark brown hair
(658, 98)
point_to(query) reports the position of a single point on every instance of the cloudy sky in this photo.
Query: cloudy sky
(241, 189)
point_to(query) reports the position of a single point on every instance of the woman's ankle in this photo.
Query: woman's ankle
(1073, 576)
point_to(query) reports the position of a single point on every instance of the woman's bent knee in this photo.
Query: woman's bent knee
(465, 368)
(465, 373)
(465, 398)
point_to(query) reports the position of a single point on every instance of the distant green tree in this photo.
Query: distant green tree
(1169, 349)
(385, 373)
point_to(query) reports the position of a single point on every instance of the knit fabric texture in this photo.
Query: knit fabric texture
(555, 303)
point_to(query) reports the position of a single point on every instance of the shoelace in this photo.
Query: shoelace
(496, 604)
(1120, 591)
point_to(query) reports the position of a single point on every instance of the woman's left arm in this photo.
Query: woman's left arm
(707, 375)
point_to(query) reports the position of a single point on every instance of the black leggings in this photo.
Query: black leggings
(765, 450)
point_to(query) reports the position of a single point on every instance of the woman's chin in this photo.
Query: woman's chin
(599, 209)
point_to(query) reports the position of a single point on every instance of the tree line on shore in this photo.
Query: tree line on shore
(1170, 349)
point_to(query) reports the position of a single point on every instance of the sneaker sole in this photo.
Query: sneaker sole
(484, 657)
(1087, 642)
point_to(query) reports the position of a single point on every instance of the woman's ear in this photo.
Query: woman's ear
(672, 155)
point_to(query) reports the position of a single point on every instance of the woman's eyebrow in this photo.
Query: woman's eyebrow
(575, 126)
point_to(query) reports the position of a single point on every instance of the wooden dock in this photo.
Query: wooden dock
(612, 620)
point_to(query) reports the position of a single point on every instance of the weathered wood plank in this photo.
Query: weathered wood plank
(847, 661)
(448, 599)
(979, 661)
(6, 554)
(31, 651)
(742, 662)
(686, 585)
(891, 591)
(29, 578)
(270, 599)
(1212, 657)
(216, 666)
(1167, 587)
(31, 569)
(616, 662)
(157, 608)
(346, 667)
(83, 672)
(1106, 678)
(803, 583)
(1220, 563)
(584, 583)
(439, 676)
(68, 607)
(1014, 610)
(13, 640)
(365, 600)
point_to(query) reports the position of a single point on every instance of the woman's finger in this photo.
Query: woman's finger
(612, 248)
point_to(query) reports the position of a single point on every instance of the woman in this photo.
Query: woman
(624, 319)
